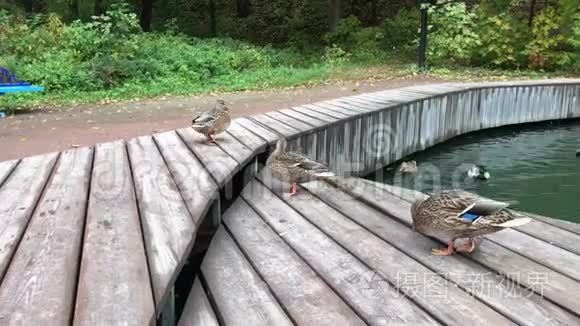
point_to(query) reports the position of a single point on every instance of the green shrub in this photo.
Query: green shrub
(544, 50)
(502, 41)
(352, 37)
(452, 37)
(402, 31)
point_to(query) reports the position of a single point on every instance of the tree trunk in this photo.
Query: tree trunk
(146, 15)
(243, 8)
(28, 6)
(73, 9)
(532, 13)
(212, 19)
(374, 17)
(100, 7)
(334, 13)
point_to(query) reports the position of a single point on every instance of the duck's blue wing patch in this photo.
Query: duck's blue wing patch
(470, 217)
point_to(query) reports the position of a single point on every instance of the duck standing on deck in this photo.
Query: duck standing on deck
(212, 122)
(456, 214)
(295, 167)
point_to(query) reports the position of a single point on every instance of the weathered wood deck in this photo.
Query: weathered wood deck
(98, 235)
(345, 254)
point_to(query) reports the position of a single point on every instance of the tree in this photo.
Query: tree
(212, 18)
(243, 8)
(100, 7)
(334, 13)
(146, 15)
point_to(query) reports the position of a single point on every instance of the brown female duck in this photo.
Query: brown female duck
(456, 214)
(212, 122)
(295, 167)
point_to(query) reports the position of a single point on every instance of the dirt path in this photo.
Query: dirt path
(44, 131)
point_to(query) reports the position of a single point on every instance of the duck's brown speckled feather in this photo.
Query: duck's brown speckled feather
(438, 215)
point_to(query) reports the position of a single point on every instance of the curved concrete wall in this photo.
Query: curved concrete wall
(385, 126)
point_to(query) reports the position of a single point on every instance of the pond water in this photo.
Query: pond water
(533, 166)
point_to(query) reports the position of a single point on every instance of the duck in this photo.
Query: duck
(578, 153)
(212, 122)
(294, 167)
(408, 167)
(479, 172)
(456, 214)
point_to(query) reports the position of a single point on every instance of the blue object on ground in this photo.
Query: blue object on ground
(2, 115)
(9, 83)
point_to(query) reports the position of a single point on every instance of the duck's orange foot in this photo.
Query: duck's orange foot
(444, 251)
(293, 190)
(469, 247)
(211, 140)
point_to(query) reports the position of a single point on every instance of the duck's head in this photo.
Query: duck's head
(221, 104)
(281, 145)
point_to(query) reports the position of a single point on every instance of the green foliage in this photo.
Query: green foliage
(502, 39)
(452, 37)
(402, 31)
(543, 49)
(352, 37)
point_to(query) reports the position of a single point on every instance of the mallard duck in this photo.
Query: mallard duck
(455, 214)
(408, 167)
(212, 122)
(479, 172)
(295, 167)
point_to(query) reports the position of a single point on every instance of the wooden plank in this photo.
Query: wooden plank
(322, 110)
(220, 165)
(197, 310)
(39, 286)
(276, 126)
(259, 130)
(305, 297)
(341, 108)
(236, 289)
(537, 250)
(517, 303)
(565, 225)
(325, 118)
(246, 137)
(236, 149)
(445, 302)
(290, 121)
(168, 229)
(20, 194)
(347, 106)
(334, 264)
(559, 288)
(6, 168)
(372, 107)
(385, 102)
(308, 119)
(194, 182)
(113, 286)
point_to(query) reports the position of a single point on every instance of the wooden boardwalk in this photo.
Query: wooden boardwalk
(98, 235)
(344, 254)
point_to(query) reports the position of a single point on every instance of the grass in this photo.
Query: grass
(276, 78)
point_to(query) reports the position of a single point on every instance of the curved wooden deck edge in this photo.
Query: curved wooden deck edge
(178, 172)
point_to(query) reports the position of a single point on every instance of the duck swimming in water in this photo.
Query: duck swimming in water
(408, 167)
(479, 172)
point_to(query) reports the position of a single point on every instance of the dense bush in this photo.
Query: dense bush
(110, 51)
(453, 36)
(401, 31)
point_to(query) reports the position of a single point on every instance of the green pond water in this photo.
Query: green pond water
(532, 165)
